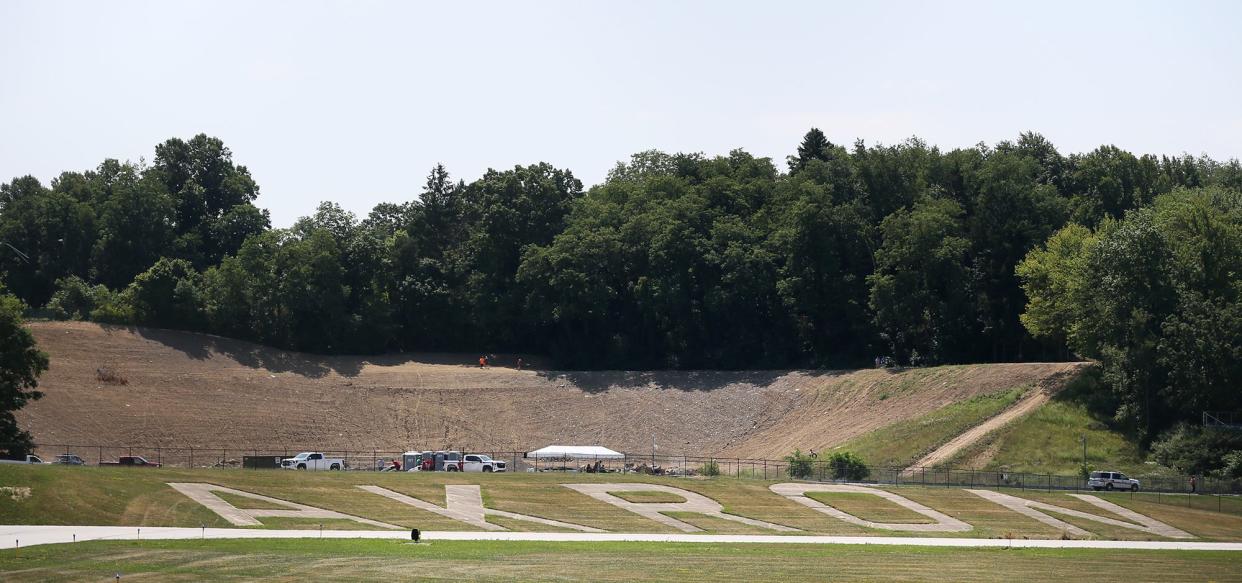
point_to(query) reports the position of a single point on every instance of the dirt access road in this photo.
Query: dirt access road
(1032, 400)
(185, 389)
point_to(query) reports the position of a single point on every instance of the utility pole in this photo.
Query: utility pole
(1084, 449)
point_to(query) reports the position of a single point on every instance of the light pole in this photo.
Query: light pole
(1083, 437)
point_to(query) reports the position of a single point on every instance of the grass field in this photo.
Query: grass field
(136, 497)
(361, 560)
(901, 443)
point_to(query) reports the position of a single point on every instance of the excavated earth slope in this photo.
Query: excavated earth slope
(185, 389)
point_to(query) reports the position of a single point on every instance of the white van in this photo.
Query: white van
(1112, 481)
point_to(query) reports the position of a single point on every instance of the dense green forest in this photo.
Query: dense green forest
(840, 255)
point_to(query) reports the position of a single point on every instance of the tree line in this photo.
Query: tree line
(840, 255)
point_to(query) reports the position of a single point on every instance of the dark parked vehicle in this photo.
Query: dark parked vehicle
(131, 460)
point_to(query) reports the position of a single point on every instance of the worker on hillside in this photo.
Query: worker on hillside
(520, 363)
(396, 465)
(482, 362)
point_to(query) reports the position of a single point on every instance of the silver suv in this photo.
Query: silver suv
(1112, 481)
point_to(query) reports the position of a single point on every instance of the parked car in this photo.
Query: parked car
(131, 460)
(477, 462)
(30, 459)
(1112, 481)
(69, 459)
(312, 460)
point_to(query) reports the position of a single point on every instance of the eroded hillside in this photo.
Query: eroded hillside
(185, 389)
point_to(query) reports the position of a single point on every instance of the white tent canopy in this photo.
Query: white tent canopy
(576, 452)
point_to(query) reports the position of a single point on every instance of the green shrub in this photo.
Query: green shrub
(847, 465)
(800, 466)
(117, 308)
(1231, 465)
(1194, 450)
(75, 299)
(710, 468)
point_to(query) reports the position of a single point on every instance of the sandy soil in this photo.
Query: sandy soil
(199, 390)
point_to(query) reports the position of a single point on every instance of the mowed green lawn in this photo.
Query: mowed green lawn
(363, 560)
(141, 497)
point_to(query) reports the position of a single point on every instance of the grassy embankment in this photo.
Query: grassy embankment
(902, 443)
(1049, 440)
(1045, 441)
(383, 560)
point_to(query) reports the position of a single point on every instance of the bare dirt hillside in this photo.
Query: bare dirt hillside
(185, 389)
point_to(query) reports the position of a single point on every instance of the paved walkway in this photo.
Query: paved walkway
(42, 535)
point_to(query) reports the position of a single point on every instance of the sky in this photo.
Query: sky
(354, 102)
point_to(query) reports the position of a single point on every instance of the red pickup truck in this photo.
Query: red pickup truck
(131, 460)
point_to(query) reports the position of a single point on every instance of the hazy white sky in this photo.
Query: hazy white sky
(355, 101)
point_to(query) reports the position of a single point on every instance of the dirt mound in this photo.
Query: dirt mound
(184, 389)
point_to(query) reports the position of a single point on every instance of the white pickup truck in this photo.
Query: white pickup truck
(482, 463)
(312, 460)
(30, 459)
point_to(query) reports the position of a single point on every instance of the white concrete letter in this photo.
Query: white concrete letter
(797, 493)
(202, 493)
(696, 503)
(1032, 509)
(465, 503)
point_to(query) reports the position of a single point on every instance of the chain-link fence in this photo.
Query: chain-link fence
(653, 464)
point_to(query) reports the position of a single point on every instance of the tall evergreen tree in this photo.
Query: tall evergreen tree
(814, 146)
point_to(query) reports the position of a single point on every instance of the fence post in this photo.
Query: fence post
(191, 458)
(765, 468)
(100, 455)
(159, 456)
